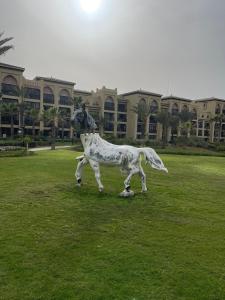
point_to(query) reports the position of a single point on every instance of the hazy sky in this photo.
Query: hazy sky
(166, 46)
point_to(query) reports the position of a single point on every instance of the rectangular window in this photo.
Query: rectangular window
(200, 124)
(109, 117)
(32, 93)
(48, 98)
(152, 128)
(199, 132)
(122, 106)
(122, 118)
(65, 100)
(109, 126)
(140, 127)
(121, 127)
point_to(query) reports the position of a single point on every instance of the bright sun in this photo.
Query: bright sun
(90, 5)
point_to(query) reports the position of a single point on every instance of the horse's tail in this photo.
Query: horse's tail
(153, 159)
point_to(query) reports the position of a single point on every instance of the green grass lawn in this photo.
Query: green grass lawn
(61, 242)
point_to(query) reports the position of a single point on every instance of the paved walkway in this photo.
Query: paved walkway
(47, 148)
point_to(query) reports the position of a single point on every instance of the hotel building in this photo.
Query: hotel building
(114, 113)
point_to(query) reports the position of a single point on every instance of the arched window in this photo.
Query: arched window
(48, 96)
(64, 98)
(9, 86)
(152, 125)
(175, 109)
(218, 109)
(154, 107)
(109, 104)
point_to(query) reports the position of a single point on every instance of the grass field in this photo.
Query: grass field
(61, 242)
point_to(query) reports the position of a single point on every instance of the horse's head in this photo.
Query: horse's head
(77, 116)
(83, 118)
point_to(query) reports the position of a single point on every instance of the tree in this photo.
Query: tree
(77, 100)
(1, 112)
(63, 117)
(50, 116)
(143, 111)
(34, 114)
(27, 140)
(4, 48)
(173, 122)
(22, 107)
(163, 118)
(11, 110)
(219, 119)
(102, 122)
(185, 119)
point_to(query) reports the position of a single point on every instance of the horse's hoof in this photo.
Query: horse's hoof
(101, 189)
(126, 193)
(78, 184)
(144, 190)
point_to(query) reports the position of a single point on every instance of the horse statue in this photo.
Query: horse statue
(128, 158)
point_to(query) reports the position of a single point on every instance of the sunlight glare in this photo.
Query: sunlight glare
(90, 6)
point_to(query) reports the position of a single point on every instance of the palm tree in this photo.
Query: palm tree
(63, 117)
(1, 111)
(164, 118)
(34, 114)
(22, 107)
(50, 116)
(4, 48)
(219, 119)
(77, 100)
(185, 119)
(143, 111)
(11, 110)
(101, 122)
(173, 122)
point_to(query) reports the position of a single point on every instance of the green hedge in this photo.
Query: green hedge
(15, 153)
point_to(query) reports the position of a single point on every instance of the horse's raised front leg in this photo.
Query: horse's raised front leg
(78, 174)
(143, 179)
(96, 169)
(128, 192)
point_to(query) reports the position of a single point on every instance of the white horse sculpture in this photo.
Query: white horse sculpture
(97, 151)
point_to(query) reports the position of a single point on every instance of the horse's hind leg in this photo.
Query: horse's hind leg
(127, 192)
(78, 174)
(96, 169)
(143, 179)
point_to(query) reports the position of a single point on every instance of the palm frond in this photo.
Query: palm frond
(2, 42)
(4, 49)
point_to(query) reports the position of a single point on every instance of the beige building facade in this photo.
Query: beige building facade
(115, 114)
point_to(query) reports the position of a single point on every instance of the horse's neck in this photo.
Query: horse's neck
(97, 142)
